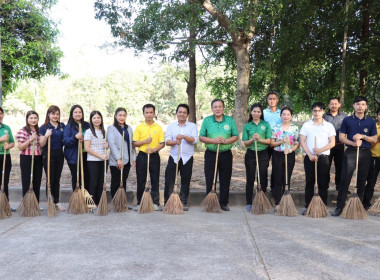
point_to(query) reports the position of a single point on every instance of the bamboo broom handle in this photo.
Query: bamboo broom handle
(257, 165)
(48, 164)
(176, 169)
(5, 158)
(81, 162)
(216, 167)
(357, 168)
(122, 156)
(31, 170)
(105, 161)
(316, 169)
(148, 164)
(286, 172)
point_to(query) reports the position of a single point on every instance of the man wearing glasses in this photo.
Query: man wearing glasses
(317, 137)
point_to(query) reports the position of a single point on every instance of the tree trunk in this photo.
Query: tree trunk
(343, 78)
(192, 83)
(242, 88)
(363, 75)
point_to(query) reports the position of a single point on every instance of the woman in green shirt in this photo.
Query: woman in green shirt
(256, 129)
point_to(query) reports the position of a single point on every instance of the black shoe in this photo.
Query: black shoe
(304, 212)
(13, 209)
(225, 207)
(185, 208)
(336, 212)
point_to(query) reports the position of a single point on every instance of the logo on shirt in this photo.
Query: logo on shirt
(262, 127)
(366, 130)
(226, 127)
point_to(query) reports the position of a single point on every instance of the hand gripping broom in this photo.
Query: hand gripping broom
(103, 204)
(174, 204)
(316, 209)
(5, 208)
(119, 201)
(354, 208)
(52, 211)
(211, 202)
(77, 203)
(146, 204)
(29, 205)
(261, 204)
(286, 206)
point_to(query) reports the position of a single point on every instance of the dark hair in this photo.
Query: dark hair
(378, 111)
(256, 105)
(333, 98)
(115, 122)
(93, 113)
(359, 99)
(286, 108)
(318, 104)
(27, 126)
(183, 106)
(71, 121)
(52, 109)
(216, 100)
(271, 92)
(1, 109)
(149, 106)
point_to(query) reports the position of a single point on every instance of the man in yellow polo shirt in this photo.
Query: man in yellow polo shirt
(149, 138)
(374, 168)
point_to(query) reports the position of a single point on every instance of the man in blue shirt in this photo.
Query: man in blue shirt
(185, 134)
(358, 130)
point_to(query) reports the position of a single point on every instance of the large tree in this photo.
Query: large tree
(28, 38)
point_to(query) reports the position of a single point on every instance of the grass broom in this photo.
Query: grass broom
(316, 208)
(375, 209)
(211, 202)
(29, 205)
(354, 208)
(261, 204)
(5, 208)
(286, 206)
(119, 201)
(146, 204)
(174, 204)
(77, 203)
(52, 211)
(103, 204)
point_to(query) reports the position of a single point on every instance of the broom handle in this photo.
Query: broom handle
(257, 164)
(216, 167)
(176, 169)
(31, 170)
(5, 157)
(316, 169)
(105, 161)
(147, 166)
(122, 156)
(357, 167)
(48, 165)
(81, 163)
(286, 172)
(78, 162)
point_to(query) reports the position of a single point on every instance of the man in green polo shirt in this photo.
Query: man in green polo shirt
(219, 129)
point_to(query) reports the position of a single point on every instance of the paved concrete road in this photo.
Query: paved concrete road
(196, 245)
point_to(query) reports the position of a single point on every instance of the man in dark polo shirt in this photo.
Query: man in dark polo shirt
(335, 117)
(358, 130)
(219, 129)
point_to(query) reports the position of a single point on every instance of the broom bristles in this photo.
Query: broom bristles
(211, 203)
(173, 205)
(286, 206)
(77, 203)
(316, 209)
(119, 201)
(354, 209)
(29, 205)
(375, 209)
(103, 204)
(146, 204)
(261, 204)
(52, 211)
(5, 208)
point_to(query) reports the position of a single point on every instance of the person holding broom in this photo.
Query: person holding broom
(185, 134)
(317, 137)
(6, 143)
(256, 129)
(53, 128)
(28, 138)
(149, 138)
(358, 130)
(71, 136)
(219, 129)
(114, 138)
(284, 142)
(95, 146)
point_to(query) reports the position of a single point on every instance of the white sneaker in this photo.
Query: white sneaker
(59, 207)
(156, 207)
(136, 208)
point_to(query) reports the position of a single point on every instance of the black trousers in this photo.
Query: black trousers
(56, 166)
(323, 178)
(336, 154)
(224, 170)
(186, 171)
(349, 165)
(371, 181)
(115, 178)
(154, 172)
(250, 170)
(7, 171)
(26, 166)
(73, 171)
(270, 153)
(96, 179)
(278, 166)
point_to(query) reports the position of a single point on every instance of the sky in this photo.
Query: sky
(81, 38)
